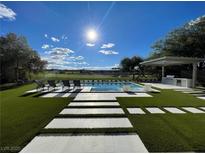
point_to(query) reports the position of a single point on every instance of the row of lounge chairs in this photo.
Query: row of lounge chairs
(147, 80)
(53, 84)
(67, 83)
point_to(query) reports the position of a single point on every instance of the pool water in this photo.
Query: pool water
(114, 86)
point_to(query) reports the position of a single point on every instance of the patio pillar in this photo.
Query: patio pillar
(162, 71)
(194, 74)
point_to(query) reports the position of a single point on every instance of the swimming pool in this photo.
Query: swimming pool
(114, 87)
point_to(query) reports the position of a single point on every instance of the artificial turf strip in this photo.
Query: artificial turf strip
(23, 117)
(86, 130)
(89, 115)
(168, 132)
(171, 133)
(86, 107)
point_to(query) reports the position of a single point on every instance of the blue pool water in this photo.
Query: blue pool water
(114, 86)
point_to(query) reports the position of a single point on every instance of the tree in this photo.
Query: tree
(135, 61)
(34, 63)
(187, 41)
(129, 64)
(16, 56)
(126, 64)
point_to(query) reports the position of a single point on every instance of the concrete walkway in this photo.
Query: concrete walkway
(107, 96)
(119, 143)
(173, 110)
(166, 86)
(89, 123)
(95, 96)
(85, 111)
(88, 142)
(88, 104)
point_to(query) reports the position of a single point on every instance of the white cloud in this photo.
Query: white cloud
(45, 46)
(108, 45)
(63, 58)
(64, 37)
(97, 67)
(108, 52)
(79, 58)
(60, 51)
(82, 63)
(63, 64)
(54, 39)
(90, 44)
(46, 35)
(7, 13)
(76, 58)
(57, 62)
(78, 66)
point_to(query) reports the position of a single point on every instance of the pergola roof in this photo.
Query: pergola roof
(169, 60)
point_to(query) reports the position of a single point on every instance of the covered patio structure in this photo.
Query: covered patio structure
(170, 60)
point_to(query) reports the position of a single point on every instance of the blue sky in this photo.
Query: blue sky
(58, 30)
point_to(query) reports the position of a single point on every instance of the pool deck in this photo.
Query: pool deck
(94, 96)
(166, 86)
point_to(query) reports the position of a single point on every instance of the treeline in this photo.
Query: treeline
(17, 59)
(185, 41)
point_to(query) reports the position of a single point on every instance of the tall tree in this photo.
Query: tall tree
(128, 64)
(16, 56)
(187, 41)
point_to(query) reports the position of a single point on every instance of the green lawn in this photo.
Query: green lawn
(168, 132)
(75, 76)
(24, 117)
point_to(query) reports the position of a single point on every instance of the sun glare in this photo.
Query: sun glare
(91, 35)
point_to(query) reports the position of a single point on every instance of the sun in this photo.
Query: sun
(91, 35)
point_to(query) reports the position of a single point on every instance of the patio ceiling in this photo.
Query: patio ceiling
(169, 60)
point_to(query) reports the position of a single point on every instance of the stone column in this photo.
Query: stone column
(194, 74)
(162, 71)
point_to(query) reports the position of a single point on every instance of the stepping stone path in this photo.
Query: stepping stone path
(50, 95)
(94, 104)
(119, 143)
(174, 110)
(88, 142)
(199, 93)
(88, 104)
(135, 111)
(89, 123)
(193, 110)
(202, 98)
(203, 108)
(92, 111)
(155, 110)
(107, 96)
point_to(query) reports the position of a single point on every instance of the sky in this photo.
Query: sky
(94, 35)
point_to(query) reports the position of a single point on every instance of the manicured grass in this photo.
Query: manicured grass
(165, 98)
(75, 76)
(168, 132)
(23, 117)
